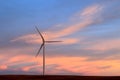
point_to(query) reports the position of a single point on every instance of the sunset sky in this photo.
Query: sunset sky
(89, 29)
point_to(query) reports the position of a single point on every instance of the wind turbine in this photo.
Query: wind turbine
(43, 47)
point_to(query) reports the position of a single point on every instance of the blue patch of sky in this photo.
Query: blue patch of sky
(24, 14)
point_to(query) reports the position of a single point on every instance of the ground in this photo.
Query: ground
(56, 77)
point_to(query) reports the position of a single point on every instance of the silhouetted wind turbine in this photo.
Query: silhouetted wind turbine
(43, 46)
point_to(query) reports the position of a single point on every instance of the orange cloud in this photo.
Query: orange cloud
(72, 64)
(80, 65)
(3, 67)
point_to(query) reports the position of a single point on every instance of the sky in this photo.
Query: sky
(89, 30)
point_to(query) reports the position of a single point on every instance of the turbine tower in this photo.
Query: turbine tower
(43, 47)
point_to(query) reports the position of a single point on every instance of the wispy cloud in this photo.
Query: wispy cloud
(104, 67)
(58, 34)
(104, 45)
(36, 39)
(91, 15)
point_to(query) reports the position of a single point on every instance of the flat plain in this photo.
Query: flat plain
(56, 77)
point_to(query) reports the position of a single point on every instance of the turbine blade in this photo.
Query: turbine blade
(39, 50)
(40, 34)
(52, 41)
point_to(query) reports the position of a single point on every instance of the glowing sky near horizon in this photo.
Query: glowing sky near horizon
(89, 30)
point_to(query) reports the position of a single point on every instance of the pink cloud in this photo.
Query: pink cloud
(91, 11)
(36, 39)
(80, 65)
(72, 64)
(104, 45)
(3, 67)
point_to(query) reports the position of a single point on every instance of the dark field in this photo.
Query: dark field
(56, 77)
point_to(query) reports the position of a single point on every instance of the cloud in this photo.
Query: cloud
(104, 45)
(92, 15)
(105, 67)
(89, 16)
(58, 34)
(17, 72)
(27, 64)
(34, 67)
(84, 19)
(28, 38)
(91, 11)
(36, 39)
(3, 67)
